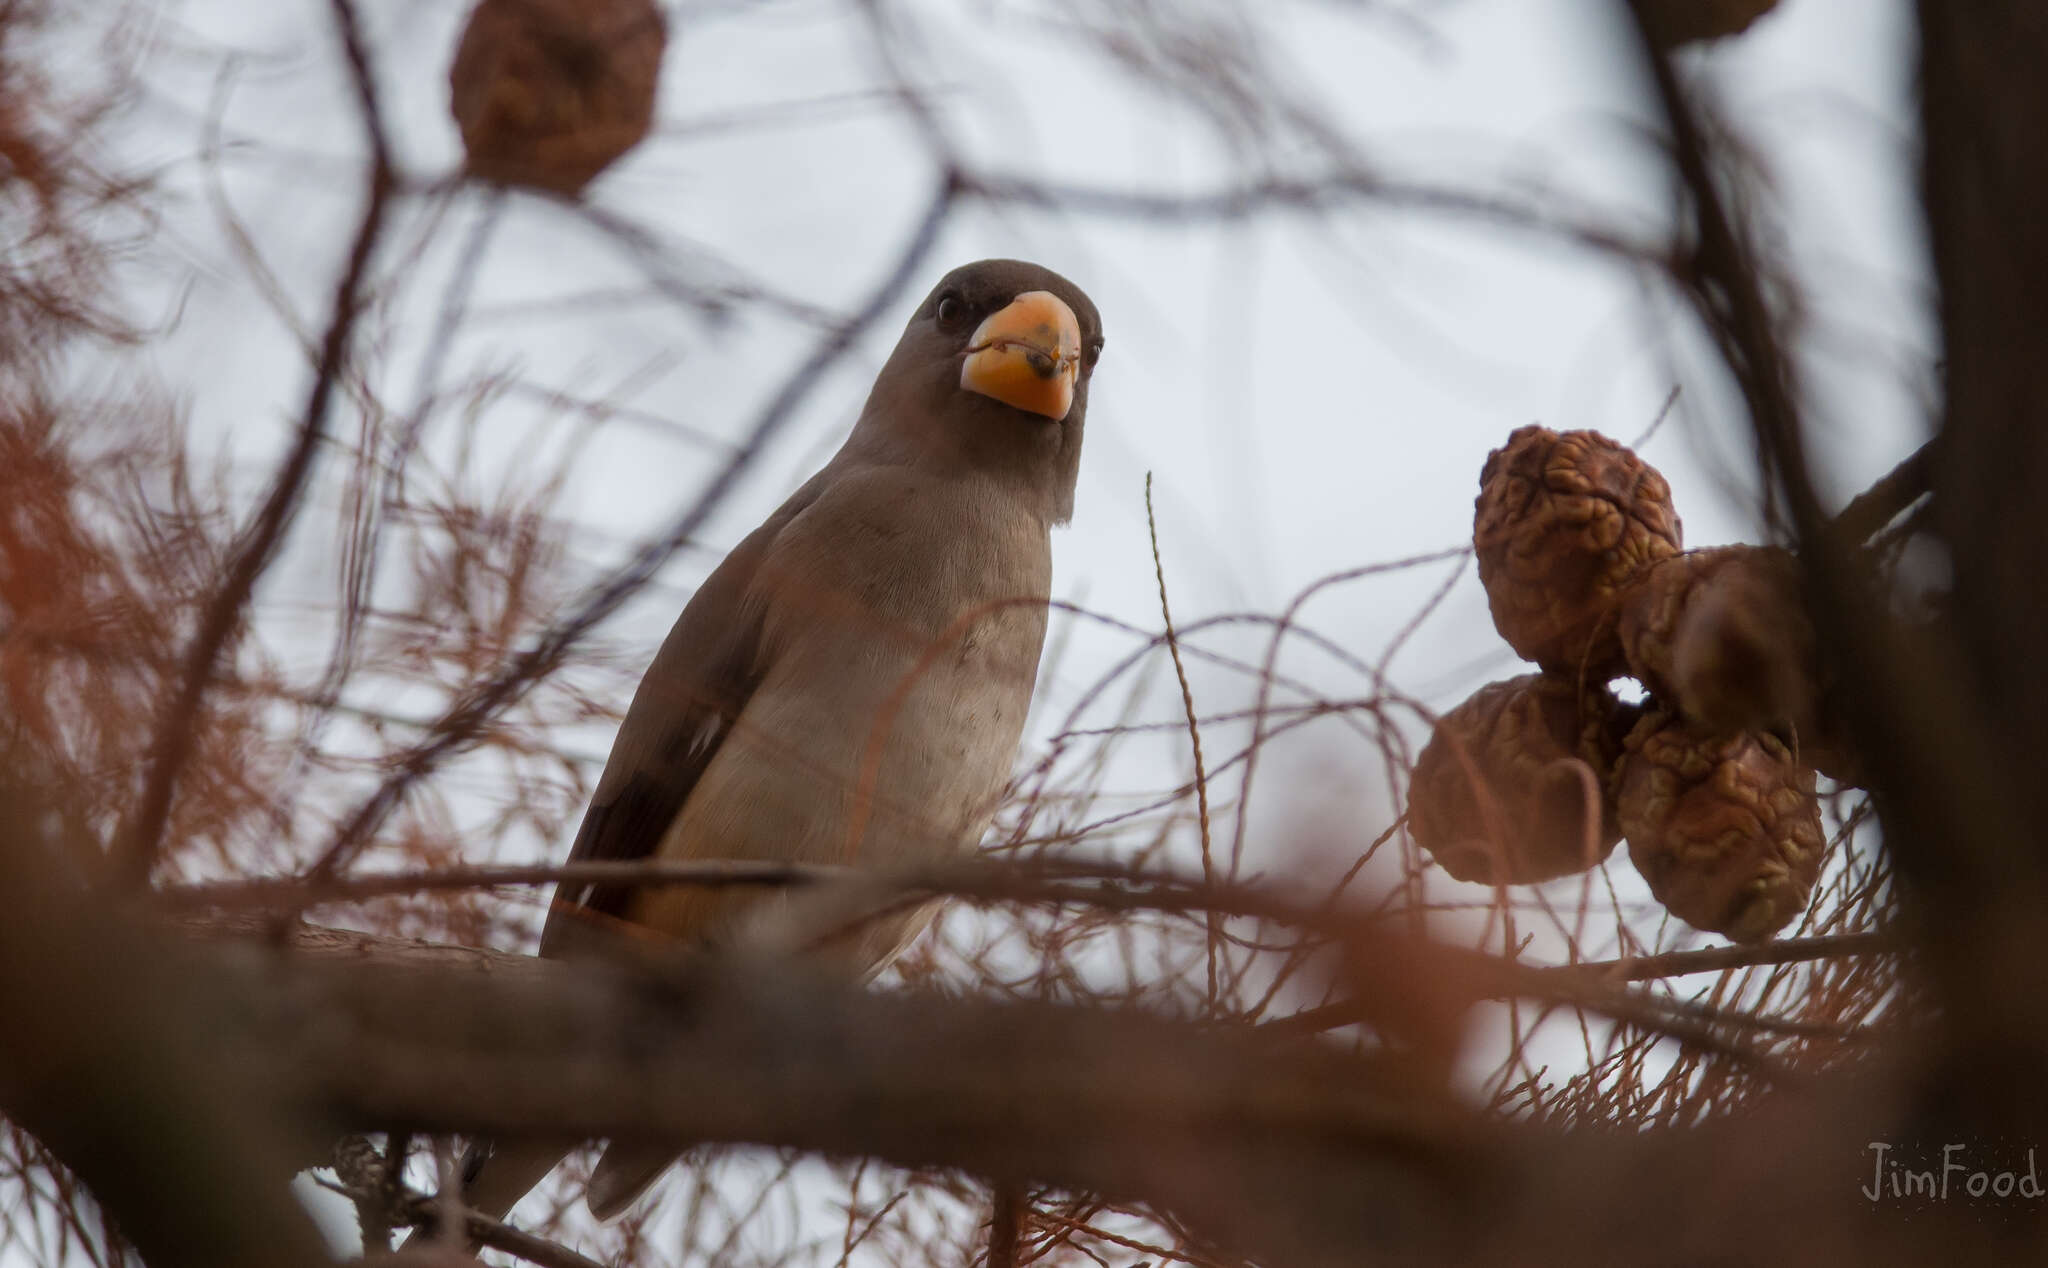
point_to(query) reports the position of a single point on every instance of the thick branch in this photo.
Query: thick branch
(385, 1036)
(1299, 1154)
(113, 1059)
(1460, 975)
(1985, 187)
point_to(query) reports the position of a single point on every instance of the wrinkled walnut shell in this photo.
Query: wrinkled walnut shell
(1726, 829)
(1539, 751)
(1563, 525)
(1722, 636)
(548, 93)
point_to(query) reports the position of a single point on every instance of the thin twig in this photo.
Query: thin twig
(427, 1212)
(286, 893)
(1891, 495)
(1646, 968)
(1651, 968)
(1099, 884)
(1663, 416)
(381, 491)
(1307, 195)
(256, 546)
(1187, 700)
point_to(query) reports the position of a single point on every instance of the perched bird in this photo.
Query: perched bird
(850, 684)
(548, 93)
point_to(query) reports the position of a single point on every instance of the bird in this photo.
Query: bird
(849, 686)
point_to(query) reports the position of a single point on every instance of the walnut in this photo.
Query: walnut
(1564, 523)
(1722, 636)
(548, 93)
(1500, 794)
(1725, 828)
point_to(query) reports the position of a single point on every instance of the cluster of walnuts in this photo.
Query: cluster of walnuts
(1711, 778)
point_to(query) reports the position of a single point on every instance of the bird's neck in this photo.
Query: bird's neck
(1032, 463)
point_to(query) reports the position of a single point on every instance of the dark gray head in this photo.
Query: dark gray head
(990, 376)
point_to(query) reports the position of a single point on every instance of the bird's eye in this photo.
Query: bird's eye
(951, 310)
(1093, 352)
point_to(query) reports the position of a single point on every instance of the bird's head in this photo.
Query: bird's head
(1024, 336)
(993, 371)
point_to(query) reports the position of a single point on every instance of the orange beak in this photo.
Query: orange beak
(1027, 354)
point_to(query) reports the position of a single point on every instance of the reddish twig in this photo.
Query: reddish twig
(1187, 701)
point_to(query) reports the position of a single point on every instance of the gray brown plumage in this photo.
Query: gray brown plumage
(850, 684)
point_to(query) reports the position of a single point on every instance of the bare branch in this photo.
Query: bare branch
(1889, 496)
(258, 542)
(1187, 700)
(1306, 195)
(109, 1063)
(1718, 959)
(1298, 1155)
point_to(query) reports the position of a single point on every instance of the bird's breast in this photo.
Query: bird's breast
(902, 631)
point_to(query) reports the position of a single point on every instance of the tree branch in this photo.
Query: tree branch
(177, 724)
(1300, 1155)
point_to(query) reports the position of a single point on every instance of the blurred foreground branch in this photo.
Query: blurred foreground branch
(1294, 1153)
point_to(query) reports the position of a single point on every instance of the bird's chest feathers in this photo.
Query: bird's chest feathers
(899, 648)
(905, 620)
(900, 570)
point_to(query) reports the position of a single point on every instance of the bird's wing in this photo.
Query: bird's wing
(700, 680)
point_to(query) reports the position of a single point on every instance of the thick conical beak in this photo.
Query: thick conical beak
(1027, 354)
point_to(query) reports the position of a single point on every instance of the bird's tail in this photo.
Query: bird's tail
(623, 1174)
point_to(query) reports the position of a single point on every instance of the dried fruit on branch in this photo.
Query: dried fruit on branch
(1564, 523)
(1722, 636)
(1725, 828)
(1510, 788)
(549, 93)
